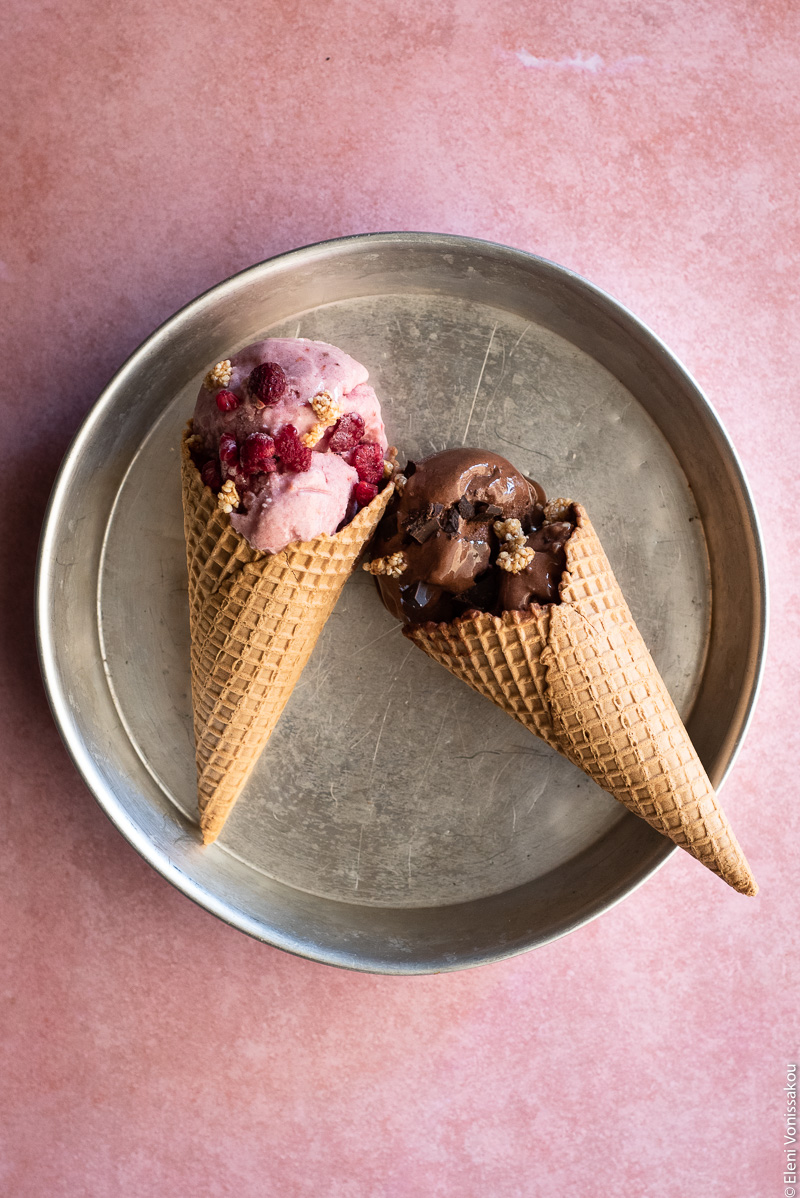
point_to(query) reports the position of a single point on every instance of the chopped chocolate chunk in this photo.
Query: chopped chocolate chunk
(418, 595)
(487, 511)
(422, 528)
(482, 596)
(420, 602)
(450, 522)
(466, 510)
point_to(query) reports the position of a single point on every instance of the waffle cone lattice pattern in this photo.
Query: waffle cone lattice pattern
(255, 618)
(578, 674)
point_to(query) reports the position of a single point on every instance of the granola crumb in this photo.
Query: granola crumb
(392, 566)
(556, 510)
(388, 469)
(400, 481)
(511, 534)
(516, 561)
(228, 497)
(508, 530)
(326, 409)
(312, 438)
(218, 376)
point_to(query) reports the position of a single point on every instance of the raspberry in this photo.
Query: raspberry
(211, 476)
(347, 432)
(258, 449)
(293, 454)
(228, 450)
(267, 382)
(364, 493)
(226, 401)
(368, 461)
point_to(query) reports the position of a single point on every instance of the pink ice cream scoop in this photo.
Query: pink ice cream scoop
(290, 436)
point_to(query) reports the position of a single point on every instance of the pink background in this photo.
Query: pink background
(150, 150)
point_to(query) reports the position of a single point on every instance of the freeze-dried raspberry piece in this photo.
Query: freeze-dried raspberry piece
(226, 401)
(228, 450)
(347, 432)
(211, 476)
(267, 382)
(291, 451)
(368, 462)
(258, 449)
(364, 493)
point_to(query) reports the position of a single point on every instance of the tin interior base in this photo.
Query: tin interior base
(388, 781)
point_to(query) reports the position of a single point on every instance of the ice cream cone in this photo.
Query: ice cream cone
(578, 674)
(255, 618)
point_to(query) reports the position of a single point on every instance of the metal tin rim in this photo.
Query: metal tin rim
(58, 700)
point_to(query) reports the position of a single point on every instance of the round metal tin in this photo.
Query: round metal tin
(397, 822)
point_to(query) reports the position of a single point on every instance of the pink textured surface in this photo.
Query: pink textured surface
(152, 149)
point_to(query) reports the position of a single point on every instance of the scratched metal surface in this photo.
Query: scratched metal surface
(386, 780)
(388, 786)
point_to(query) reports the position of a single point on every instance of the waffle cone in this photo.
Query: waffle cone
(578, 674)
(254, 620)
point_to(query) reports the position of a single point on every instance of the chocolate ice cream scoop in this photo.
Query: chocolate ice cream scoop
(436, 552)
